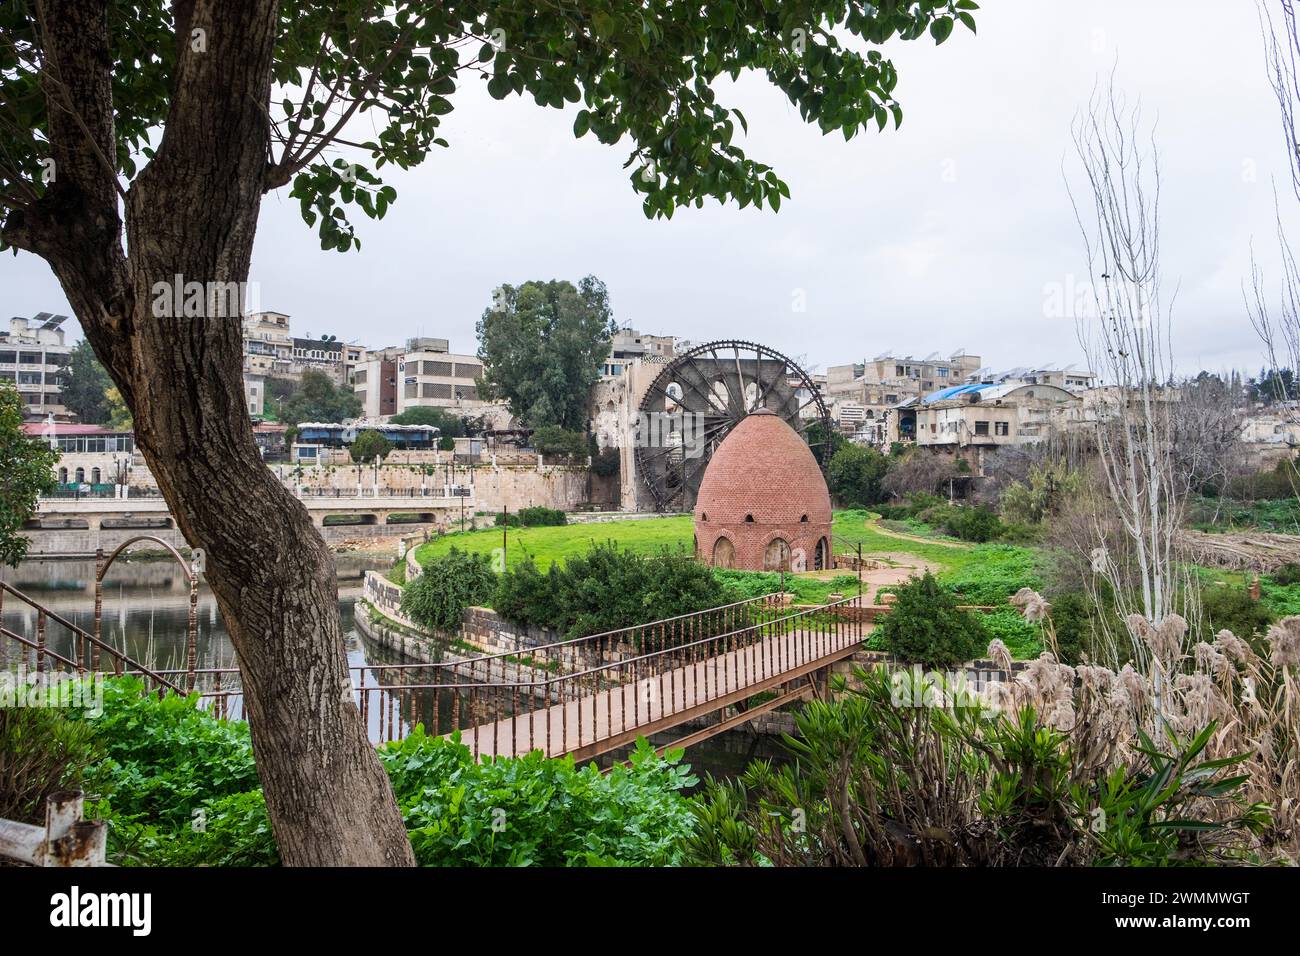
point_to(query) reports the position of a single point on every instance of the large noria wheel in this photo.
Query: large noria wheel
(700, 396)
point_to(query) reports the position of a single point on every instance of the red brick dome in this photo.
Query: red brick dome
(763, 503)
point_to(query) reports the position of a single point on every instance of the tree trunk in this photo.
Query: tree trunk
(192, 213)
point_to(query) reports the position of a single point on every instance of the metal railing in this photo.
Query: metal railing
(592, 694)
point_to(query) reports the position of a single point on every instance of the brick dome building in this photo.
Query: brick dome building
(763, 503)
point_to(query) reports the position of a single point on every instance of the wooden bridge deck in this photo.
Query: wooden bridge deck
(607, 719)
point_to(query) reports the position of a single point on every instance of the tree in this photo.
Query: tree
(925, 627)
(1127, 342)
(855, 474)
(83, 382)
(448, 425)
(119, 121)
(318, 399)
(26, 471)
(542, 345)
(370, 445)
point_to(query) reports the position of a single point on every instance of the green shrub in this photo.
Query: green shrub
(976, 524)
(926, 628)
(179, 788)
(533, 811)
(606, 589)
(553, 440)
(42, 751)
(370, 445)
(542, 517)
(448, 585)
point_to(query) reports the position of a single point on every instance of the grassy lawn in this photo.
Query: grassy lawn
(548, 545)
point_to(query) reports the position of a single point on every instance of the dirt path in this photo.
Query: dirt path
(875, 525)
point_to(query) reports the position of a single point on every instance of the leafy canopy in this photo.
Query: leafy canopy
(318, 399)
(83, 383)
(542, 345)
(379, 79)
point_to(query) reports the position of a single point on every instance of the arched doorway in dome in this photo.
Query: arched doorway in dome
(822, 556)
(777, 555)
(724, 553)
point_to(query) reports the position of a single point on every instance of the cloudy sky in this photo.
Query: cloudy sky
(948, 234)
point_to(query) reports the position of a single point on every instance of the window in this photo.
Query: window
(803, 519)
(899, 370)
(80, 475)
(981, 428)
(94, 476)
(749, 519)
(942, 372)
(1002, 428)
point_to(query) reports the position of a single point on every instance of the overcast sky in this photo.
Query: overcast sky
(947, 234)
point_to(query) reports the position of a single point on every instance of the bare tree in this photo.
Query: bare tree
(1126, 341)
(1279, 326)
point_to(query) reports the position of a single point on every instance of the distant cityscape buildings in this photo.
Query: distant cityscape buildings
(948, 402)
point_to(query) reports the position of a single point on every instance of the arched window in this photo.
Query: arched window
(704, 516)
(803, 519)
(777, 555)
(63, 476)
(94, 476)
(749, 519)
(80, 475)
(724, 553)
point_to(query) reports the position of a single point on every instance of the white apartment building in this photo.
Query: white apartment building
(31, 354)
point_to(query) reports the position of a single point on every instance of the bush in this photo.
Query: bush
(446, 586)
(42, 751)
(533, 811)
(606, 589)
(178, 786)
(180, 789)
(540, 517)
(553, 440)
(926, 628)
(976, 524)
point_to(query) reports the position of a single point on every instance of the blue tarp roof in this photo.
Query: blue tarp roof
(954, 390)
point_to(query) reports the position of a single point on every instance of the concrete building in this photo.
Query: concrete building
(877, 385)
(763, 504)
(31, 354)
(630, 346)
(271, 351)
(983, 416)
